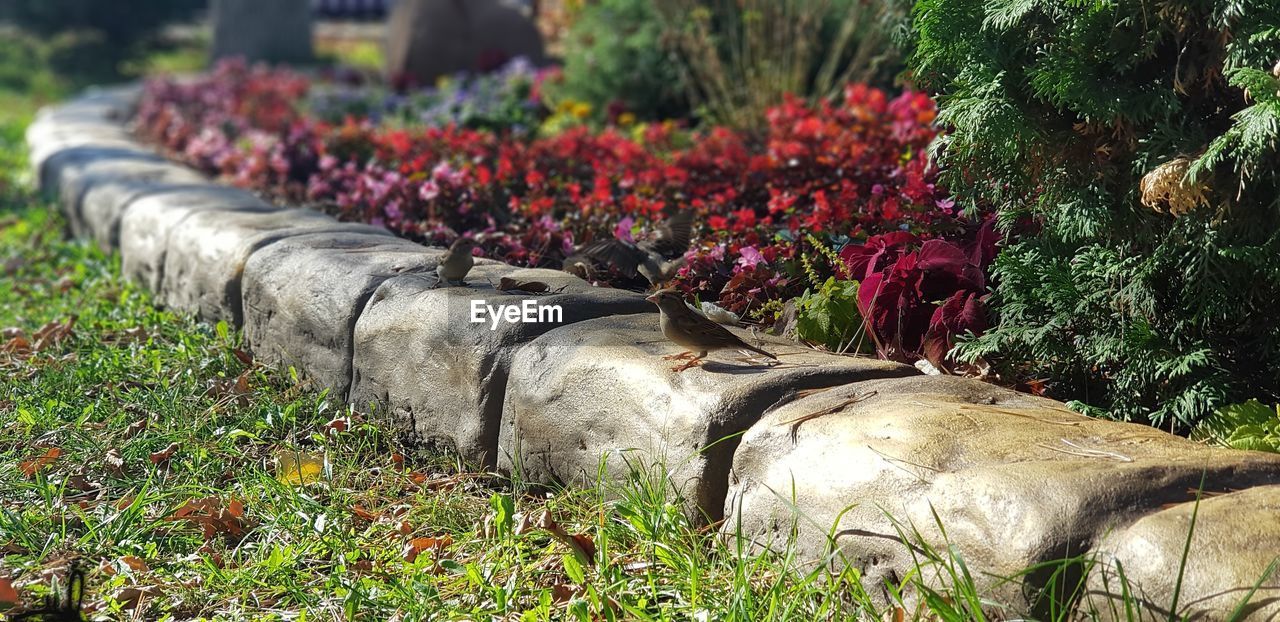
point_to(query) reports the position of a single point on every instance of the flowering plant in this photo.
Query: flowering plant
(852, 172)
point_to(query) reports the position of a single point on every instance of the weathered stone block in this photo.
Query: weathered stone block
(208, 250)
(147, 223)
(1235, 539)
(111, 188)
(427, 39)
(278, 31)
(1013, 479)
(302, 296)
(61, 173)
(600, 389)
(421, 358)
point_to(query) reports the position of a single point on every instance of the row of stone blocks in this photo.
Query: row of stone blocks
(853, 461)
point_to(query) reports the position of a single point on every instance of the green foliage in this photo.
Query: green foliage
(1251, 425)
(615, 52)
(1057, 111)
(829, 316)
(92, 36)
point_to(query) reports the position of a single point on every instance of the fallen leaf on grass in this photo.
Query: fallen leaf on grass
(8, 595)
(416, 546)
(131, 562)
(130, 597)
(164, 455)
(244, 357)
(9, 332)
(363, 514)
(564, 592)
(52, 333)
(297, 468)
(17, 344)
(337, 424)
(582, 545)
(114, 462)
(30, 467)
(231, 389)
(136, 428)
(213, 516)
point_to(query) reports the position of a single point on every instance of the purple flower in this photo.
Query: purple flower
(623, 230)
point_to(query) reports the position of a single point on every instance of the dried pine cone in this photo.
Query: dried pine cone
(1164, 189)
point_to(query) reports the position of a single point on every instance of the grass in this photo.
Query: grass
(143, 445)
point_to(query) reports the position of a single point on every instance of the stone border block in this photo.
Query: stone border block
(302, 296)
(1014, 480)
(421, 358)
(147, 223)
(208, 250)
(600, 389)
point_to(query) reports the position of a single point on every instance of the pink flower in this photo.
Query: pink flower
(429, 190)
(749, 257)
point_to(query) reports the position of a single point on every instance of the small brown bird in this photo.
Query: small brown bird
(656, 259)
(689, 329)
(456, 262)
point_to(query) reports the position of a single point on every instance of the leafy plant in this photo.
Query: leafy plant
(616, 60)
(1249, 425)
(829, 316)
(1130, 150)
(742, 57)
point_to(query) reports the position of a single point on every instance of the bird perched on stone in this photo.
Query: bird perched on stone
(689, 329)
(656, 259)
(456, 262)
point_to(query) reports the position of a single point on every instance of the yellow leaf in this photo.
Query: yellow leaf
(297, 468)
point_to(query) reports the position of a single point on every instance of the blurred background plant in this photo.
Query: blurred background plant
(91, 38)
(738, 58)
(618, 58)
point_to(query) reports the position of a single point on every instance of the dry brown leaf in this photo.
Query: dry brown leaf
(364, 514)
(582, 545)
(213, 516)
(8, 595)
(132, 562)
(244, 357)
(506, 284)
(416, 546)
(136, 427)
(30, 467)
(397, 460)
(9, 332)
(562, 593)
(17, 344)
(131, 597)
(337, 424)
(52, 333)
(164, 455)
(114, 462)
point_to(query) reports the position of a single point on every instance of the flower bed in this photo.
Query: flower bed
(839, 191)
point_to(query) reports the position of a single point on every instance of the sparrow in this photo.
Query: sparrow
(689, 329)
(456, 262)
(656, 259)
